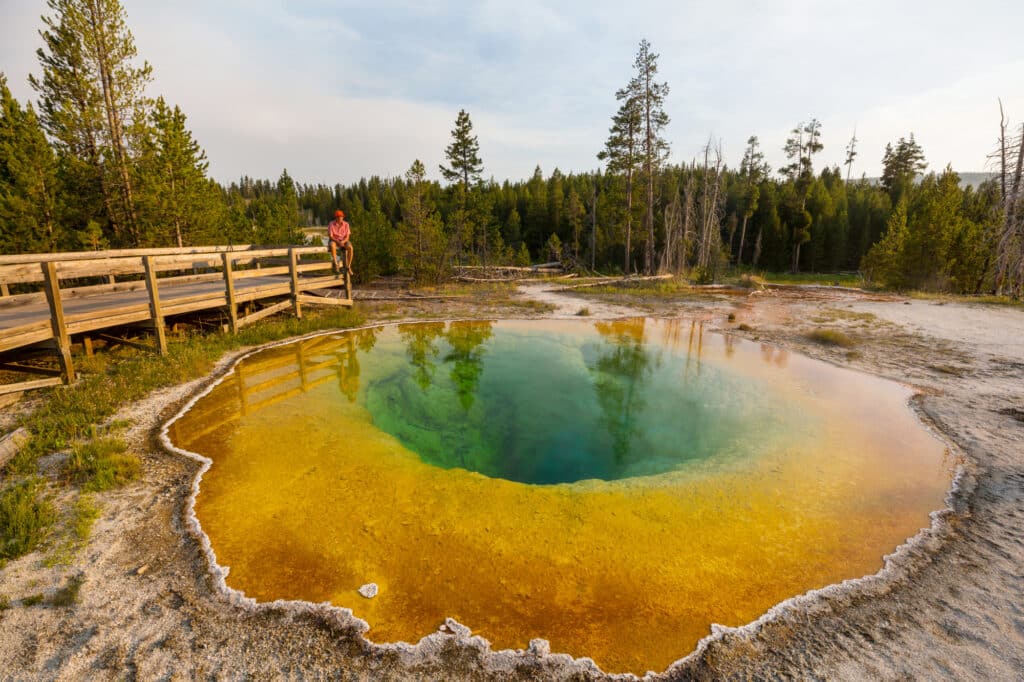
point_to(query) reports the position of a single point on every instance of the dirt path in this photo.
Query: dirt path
(950, 606)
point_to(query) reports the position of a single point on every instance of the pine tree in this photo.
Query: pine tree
(178, 204)
(28, 181)
(900, 165)
(650, 96)
(575, 212)
(753, 170)
(851, 154)
(883, 263)
(465, 171)
(93, 102)
(622, 154)
(463, 155)
(802, 145)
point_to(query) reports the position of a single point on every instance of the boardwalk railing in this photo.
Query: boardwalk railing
(165, 282)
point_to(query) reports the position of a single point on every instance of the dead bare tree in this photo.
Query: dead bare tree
(1010, 247)
(711, 209)
(672, 255)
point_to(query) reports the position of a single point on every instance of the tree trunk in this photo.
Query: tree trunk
(114, 121)
(743, 234)
(629, 215)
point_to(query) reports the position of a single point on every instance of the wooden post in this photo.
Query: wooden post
(4, 289)
(348, 284)
(292, 265)
(243, 401)
(60, 330)
(229, 286)
(300, 358)
(154, 305)
(87, 342)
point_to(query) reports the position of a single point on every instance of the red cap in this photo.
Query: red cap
(339, 214)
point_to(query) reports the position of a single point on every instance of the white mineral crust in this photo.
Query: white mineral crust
(369, 590)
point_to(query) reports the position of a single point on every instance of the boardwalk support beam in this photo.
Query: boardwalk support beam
(293, 271)
(229, 286)
(154, 305)
(62, 339)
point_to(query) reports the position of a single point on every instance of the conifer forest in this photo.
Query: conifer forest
(97, 161)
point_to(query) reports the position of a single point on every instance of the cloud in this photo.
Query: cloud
(335, 90)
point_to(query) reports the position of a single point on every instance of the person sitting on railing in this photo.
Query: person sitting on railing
(339, 232)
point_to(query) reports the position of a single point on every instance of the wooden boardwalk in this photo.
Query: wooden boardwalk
(173, 282)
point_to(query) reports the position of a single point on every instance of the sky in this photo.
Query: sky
(337, 90)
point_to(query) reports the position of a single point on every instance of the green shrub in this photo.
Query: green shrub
(102, 464)
(831, 337)
(24, 519)
(86, 513)
(32, 600)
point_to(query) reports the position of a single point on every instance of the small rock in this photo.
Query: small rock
(141, 570)
(369, 590)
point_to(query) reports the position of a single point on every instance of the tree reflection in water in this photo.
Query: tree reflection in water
(421, 349)
(466, 357)
(359, 341)
(622, 365)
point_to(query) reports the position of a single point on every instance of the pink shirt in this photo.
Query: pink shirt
(338, 230)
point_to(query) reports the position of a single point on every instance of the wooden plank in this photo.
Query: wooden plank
(12, 442)
(30, 369)
(229, 293)
(60, 329)
(99, 320)
(34, 258)
(123, 342)
(264, 291)
(26, 338)
(266, 312)
(321, 282)
(154, 305)
(292, 263)
(323, 300)
(264, 272)
(212, 298)
(217, 301)
(29, 385)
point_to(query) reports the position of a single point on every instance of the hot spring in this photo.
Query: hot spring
(612, 487)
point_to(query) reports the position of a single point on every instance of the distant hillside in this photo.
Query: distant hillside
(966, 179)
(974, 179)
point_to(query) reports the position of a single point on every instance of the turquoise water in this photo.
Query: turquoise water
(560, 403)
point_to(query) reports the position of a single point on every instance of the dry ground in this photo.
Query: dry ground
(950, 603)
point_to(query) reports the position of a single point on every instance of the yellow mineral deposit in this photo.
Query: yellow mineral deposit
(308, 499)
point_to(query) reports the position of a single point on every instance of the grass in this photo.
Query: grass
(25, 517)
(5, 602)
(102, 464)
(86, 511)
(984, 299)
(831, 337)
(661, 288)
(583, 312)
(841, 279)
